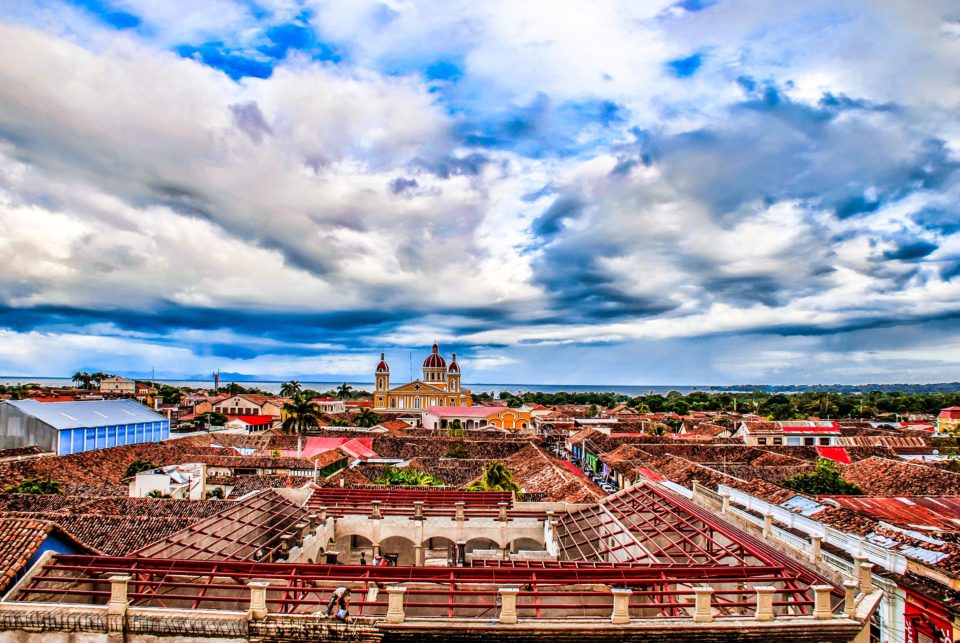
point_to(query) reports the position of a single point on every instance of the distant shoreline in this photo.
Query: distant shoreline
(630, 390)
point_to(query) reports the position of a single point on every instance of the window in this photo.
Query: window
(762, 441)
(777, 441)
(825, 441)
(809, 442)
(416, 402)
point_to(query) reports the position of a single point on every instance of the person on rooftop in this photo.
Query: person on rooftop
(340, 598)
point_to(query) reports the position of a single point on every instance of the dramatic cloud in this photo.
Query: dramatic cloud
(613, 192)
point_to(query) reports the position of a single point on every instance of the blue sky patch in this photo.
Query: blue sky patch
(109, 14)
(685, 67)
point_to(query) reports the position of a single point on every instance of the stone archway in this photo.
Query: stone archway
(526, 544)
(437, 551)
(351, 546)
(404, 548)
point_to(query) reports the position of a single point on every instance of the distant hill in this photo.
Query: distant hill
(943, 387)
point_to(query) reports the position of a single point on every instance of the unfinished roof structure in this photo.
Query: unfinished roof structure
(643, 563)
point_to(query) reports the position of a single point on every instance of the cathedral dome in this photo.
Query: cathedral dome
(454, 367)
(382, 366)
(435, 359)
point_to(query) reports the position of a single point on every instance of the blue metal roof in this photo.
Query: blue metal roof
(88, 413)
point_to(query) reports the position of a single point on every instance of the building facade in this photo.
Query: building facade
(119, 386)
(478, 417)
(439, 386)
(949, 420)
(72, 427)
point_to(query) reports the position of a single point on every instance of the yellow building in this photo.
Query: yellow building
(478, 418)
(440, 386)
(949, 420)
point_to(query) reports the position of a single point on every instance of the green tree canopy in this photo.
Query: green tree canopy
(407, 477)
(291, 388)
(367, 418)
(36, 486)
(823, 481)
(302, 414)
(497, 477)
(137, 466)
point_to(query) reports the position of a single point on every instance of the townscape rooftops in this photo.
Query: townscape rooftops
(464, 411)
(20, 539)
(251, 529)
(88, 413)
(254, 420)
(942, 512)
(885, 477)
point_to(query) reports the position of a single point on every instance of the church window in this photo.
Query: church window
(416, 402)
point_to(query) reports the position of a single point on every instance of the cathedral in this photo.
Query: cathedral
(440, 386)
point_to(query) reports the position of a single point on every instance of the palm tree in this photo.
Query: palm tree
(98, 377)
(343, 391)
(82, 377)
(496, 478)
(302, 414)
(291, 388)
(455, 429)
(367, 418)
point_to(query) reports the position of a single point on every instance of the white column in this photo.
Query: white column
(865, 571)
(508, 605)
(764, 602)
(703, 613)
(118, 594)
(815, 543)
(850, 597)
(395, 612)
(821, 601)
(258, 599)
(621, 605)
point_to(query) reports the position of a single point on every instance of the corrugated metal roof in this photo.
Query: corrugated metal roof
(802, 506)
(927, 556)
(942, 512)
(88, 413)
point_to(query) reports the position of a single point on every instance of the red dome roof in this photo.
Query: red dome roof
(435, 359)
(454, 367)
(382, 366)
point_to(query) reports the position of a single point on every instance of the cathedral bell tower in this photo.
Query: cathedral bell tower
(382, 383)
(453, 376)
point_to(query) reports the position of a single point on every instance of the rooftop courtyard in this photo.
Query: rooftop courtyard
(643, 564)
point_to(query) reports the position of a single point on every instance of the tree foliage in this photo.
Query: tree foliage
(291, 388)
(367, 418)
(36, 486)
(824, 481)
(497, 477)
(302, 414)
(457, 451)
(137, 466)
(407, 477)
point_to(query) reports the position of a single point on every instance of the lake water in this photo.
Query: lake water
(274, 387)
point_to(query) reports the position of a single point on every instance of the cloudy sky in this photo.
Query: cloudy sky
(639, 192)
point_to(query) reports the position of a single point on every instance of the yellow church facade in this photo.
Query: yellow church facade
(439, 386)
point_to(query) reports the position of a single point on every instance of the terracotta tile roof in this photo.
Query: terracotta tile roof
(20, 539)
(879, 476)
(114, 526)
(538, 472)
(242, 485)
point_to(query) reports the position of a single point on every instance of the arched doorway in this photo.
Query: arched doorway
(351, 546)
(526, 544)
(402, 547)
(437, 551)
